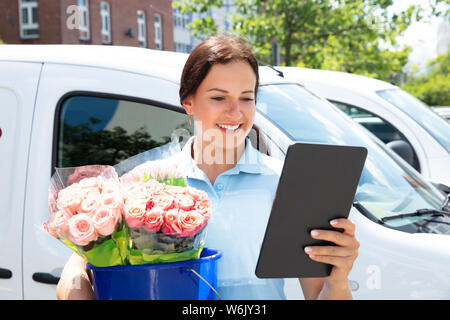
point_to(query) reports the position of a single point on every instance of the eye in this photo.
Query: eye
(247, 99)
(218, 98)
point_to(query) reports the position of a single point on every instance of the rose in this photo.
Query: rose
(89, 183)
(105, 220)
(153, 187)
(196, 194)
(110, 187)
(48, 226)
(69, 201)
(154, 219)
(126, 179)
(135, 191)
(164, 201)
(90, 203)
(113, 202)
(81, 229)
(171, 223)
(184, 202)
(60, 223)
(190, 222)
(203, 207)
(135, 214)
(175, 190)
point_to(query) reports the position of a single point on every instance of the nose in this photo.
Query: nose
(233, 110)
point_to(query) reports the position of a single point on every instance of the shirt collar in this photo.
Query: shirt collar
(251, 161)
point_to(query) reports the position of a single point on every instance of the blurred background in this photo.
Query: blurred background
(404, 42)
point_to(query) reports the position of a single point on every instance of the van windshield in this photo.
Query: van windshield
(420, 113)
(388, 185)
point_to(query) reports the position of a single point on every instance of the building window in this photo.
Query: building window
(106, 22)
(142, 29)
(158, 32)
(28, 15)
(83, 6)
(180, 21)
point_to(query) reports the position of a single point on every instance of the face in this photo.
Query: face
(223, 106)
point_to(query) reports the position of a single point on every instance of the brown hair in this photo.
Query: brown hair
(218, 49)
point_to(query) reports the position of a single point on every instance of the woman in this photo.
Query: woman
(218, 89)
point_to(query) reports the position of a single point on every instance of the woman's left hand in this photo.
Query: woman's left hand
(341, 256)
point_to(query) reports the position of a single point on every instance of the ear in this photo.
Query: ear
(188, 104)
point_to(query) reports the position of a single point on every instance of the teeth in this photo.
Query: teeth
(228, 127)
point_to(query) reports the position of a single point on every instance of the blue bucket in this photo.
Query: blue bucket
(184, 280)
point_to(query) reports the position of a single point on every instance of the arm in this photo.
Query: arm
(342, 257)
(74, 283)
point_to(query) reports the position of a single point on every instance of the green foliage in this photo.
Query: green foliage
(83, 145)
(357, 36)
(434, 87)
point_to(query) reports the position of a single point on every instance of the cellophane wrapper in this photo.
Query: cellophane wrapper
(166, 218)
(86, 209)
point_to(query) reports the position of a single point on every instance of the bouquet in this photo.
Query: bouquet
(166, 219)
(86, 209)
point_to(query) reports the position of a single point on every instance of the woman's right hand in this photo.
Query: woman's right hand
(74, 283)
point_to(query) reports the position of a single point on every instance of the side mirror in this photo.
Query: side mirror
(403, 149)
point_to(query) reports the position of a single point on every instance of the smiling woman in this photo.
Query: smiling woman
(219, 86)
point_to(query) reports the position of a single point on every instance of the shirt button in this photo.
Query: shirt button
(219, 186)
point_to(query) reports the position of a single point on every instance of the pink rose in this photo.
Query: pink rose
(48, 226)
(175, 190)
(203, 207)
(69, 201)
(196, 194)
(135, 215)
(89, 183)
(154, 219)
(90, 203)
(171, 224)
(60, 223)
(127, 178)
(135, 191)
(113, 202)
(184, 202)
(190, 222)
(81, 229)
(153, 187)
(105, 221)
(164, 201)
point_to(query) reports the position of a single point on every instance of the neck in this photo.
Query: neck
(214, 161)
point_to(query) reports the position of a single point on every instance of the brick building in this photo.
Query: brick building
(145, 23)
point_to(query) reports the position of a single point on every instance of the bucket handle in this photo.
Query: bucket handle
(204, 280)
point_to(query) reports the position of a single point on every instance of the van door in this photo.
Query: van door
(86, 115)
(18, 85)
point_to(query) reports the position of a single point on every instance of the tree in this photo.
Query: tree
(357, 36)
(434, 87)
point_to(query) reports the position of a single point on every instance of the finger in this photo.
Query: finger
(344, 263)
(339, 238)
(346, 224)
(329, 251)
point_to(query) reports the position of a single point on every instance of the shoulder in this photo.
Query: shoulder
(271, 164)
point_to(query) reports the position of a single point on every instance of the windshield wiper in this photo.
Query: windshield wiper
(417, 213)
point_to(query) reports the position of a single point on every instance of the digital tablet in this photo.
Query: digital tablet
(317, 184)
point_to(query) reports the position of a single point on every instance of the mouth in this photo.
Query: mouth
(229, 128)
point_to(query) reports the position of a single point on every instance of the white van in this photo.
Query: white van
(73, 105)
(420, 135)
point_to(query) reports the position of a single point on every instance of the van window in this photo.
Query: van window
(385, 131)
(99, 130)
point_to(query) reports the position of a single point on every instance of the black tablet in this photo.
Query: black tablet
(317, 184)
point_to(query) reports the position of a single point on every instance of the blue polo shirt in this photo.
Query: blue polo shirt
(241, 200)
